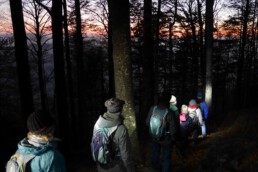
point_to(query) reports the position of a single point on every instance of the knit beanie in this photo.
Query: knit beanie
(114, 105)
(41, 122)
(184, 109)
(173, 100)
(199, 95)
(192, 102)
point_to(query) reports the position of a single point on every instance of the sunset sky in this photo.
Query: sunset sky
(6, 27)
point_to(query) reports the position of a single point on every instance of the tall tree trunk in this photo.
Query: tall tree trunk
(202, 59)
(69, 73)
(60, 82)
(111, 91)
(147, 64)
(250, 80)
(156, 51)
(171, 53)
(80, 71)
(195, 54)
(209, 46)
(41, 71)
(242, 54)
(22, 62)
(123, 66)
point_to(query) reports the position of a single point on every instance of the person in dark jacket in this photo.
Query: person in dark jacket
(167, 141)
(40, 141)
(123, 161)
(186, 127)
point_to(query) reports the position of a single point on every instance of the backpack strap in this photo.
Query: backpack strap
(153, 110)
(164, 115)
(22, 160)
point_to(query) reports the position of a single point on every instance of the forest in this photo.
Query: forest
(68, 57)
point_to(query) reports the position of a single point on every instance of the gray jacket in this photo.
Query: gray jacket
(123, 161)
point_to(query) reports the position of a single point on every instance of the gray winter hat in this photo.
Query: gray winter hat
(114, 105)
(192, 102)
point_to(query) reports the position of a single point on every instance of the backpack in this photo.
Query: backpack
(101, 145)
(186, 126)
(19, 162)
(158, 123)
(194, 117)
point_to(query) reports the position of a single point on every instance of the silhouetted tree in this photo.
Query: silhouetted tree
(69, 73)
(147, 89)
(21, 53)
(36, 25)
(60, 82)
(201, 67)
(241, 61)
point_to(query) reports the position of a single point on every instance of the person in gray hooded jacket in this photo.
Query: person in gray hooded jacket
(123, 161)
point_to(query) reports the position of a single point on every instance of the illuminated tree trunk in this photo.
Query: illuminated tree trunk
(122, 65)
(209, 45)
(22, 61)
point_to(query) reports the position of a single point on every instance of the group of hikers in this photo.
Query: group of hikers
(171, 127)
(111, 146)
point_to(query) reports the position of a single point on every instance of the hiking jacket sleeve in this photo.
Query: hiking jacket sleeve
(124, 145)
(199, 115)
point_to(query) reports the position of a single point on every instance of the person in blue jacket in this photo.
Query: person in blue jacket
(41, 142)
(205, 111)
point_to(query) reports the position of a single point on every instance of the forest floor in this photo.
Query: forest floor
(230, 146)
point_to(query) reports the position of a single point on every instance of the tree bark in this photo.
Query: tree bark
(123, 66)
(209, 46)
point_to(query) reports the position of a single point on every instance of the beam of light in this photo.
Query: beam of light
(208, 94)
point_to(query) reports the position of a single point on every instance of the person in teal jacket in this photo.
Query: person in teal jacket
(41, 142)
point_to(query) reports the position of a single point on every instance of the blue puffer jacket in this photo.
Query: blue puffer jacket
(205, 110)
(47, 158)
